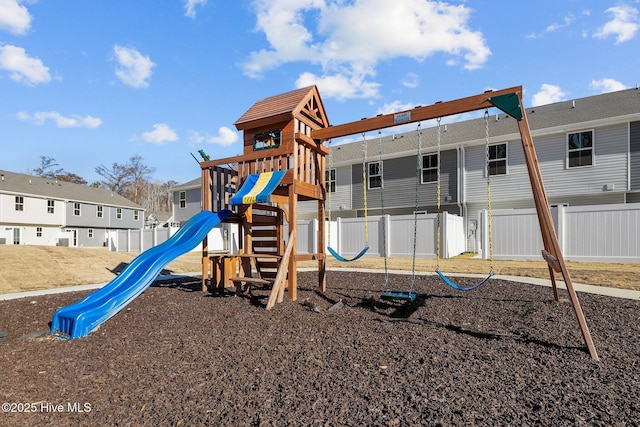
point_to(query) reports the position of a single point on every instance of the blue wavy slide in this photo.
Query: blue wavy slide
(79, 319)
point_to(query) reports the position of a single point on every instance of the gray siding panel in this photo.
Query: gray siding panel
(512, 186)
(399, 184)
(193, 206)
(610, 163)
(634, 148)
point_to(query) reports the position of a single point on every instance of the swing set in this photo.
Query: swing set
(330, 182)
(510, 102)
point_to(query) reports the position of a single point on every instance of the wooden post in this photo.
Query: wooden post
(293, 219)
(322, 244)
(550, 240)
(206, 205)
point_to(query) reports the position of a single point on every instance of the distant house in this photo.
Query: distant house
(588, 151)
(187, 200)
(42, 211)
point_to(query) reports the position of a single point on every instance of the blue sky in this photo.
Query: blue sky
(96, 82)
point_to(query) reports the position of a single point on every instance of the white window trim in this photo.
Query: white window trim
(506, 160)
(182, 199)
(422, 168)
(593, 149)
(334, 181)
(381, 175)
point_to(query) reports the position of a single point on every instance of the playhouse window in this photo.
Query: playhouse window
(268, 139)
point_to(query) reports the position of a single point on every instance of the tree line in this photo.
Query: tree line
(133, 180)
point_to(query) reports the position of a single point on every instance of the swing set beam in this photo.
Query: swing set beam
(509, 101)
(417, 114)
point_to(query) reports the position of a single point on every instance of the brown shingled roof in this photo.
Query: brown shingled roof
(273, 106)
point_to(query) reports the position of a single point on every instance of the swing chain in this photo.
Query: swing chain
(415, 211)
(365, 184)
(489, 210)
(438, 203)
(384, 227)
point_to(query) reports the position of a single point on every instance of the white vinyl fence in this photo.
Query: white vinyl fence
(599, 233)
(141, 240)
(395, 234)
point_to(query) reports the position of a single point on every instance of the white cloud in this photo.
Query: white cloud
(134, 69)
(568, 20)
(548, 94)
(606, 85)
(161, 133)
(73, 121)
(14, 17)
(190, 7)
(225, 137)
(350, 38)
(341, 86)
(411, 80)
(394, 107)
(623, 25)
(21, 67)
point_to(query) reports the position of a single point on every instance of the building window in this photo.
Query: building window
(90, 233)
(375, 175)
(38, 231)
(182, 202)
(429, 168)
(330, 180)
(76, 209)
(498, 159)
(118, 213)
(100, 211)
(51, 206)
(268, 139)
(136, 215)
(580, 149)
(19, 203)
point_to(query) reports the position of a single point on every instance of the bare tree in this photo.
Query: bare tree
(116, 178)
(50, 169)
(141, 174)
(129, 180)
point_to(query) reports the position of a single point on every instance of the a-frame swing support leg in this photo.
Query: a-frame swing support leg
(550, 240)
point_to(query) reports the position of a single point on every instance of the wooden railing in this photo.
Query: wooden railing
(304, 161)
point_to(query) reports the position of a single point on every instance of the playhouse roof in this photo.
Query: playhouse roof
(280, 107)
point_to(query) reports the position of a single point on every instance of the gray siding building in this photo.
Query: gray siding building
(43, 211)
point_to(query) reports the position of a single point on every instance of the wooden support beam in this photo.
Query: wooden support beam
(278, 284)
(441, 109)
(551, 260)
(550, 240)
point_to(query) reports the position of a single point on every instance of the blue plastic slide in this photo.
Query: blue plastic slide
(79, 319)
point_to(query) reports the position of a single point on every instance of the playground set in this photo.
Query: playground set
(284, 162)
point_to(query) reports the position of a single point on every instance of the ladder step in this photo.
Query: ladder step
(265, 233)
(268, 264)
(261, 220)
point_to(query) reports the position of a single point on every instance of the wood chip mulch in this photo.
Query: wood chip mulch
(505, 354)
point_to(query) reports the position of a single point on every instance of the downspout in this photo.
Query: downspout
(462, 186)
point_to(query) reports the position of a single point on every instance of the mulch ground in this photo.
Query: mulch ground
(505, 354)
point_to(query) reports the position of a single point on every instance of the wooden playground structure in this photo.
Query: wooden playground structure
(287, 134)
